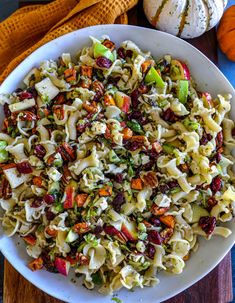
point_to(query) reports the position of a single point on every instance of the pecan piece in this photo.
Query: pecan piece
(58, 110)
(60, 99)
(166, 234)
(83, 260)
(109, 44)
(90, 108)
(36, 264)
(150, 179)
(66, 175)
(67, 152)
(85, 83)
(98, 87)
(86, 71)
(212, 202)
(158, 211)
(70, 75)
(27, 116)
(5, 189)
(81, 228)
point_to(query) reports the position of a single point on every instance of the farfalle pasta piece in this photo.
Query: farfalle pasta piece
(90, 161)
(96, 254)
(174, 263)
(142, 198)
(17, 151)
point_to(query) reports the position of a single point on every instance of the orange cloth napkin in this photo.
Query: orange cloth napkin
(32, 26)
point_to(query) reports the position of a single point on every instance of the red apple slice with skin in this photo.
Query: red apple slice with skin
(62, 266)
(69, 195)
(207, 100)
(123, 101)
(129, 230)
(179, 70)
(112, 231)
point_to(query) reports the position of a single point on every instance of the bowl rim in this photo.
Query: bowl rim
(10, 258)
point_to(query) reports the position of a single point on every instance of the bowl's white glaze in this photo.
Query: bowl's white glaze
(208, 78)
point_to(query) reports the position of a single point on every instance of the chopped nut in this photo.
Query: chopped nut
(109, 44)
(150, 179)
(36, 264)
(86, 71)
(158, 211)
(166, 234)
(81, 228)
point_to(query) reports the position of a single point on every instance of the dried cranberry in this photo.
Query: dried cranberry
(39, 151)
(49, 199)
(118, 201)
(149, 165)
(205, 139)
(151, 251)
(168, 115)
(172, 184)
(129, 53)
(133, 145)
(121, 52)
(6, 110)
(155, 221)
(103, 62)
(219, 139)
(24, 167)
(136, 115)
(216, 184)
(119, 178)
(163, 188)
(211, 202)
(153, 155)
(25, 95)
(217, 158)
(50, 215)
(98, 229)
(134, 98)
(207, 224)
(37, 202)
(154, 237)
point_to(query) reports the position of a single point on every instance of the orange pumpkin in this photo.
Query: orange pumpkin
(226, 33)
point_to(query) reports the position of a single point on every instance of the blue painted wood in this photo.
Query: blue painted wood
(7, 7)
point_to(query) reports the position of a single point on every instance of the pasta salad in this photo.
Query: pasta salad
(113, 164)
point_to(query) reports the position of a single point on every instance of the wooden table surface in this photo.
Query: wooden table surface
(214, 288)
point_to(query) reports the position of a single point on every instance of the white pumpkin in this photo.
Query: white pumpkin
(184, 18)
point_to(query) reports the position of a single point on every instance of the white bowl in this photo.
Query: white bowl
(208, 78)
